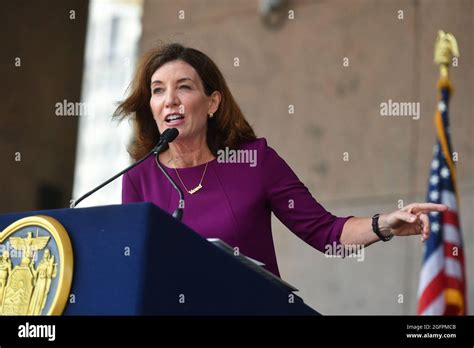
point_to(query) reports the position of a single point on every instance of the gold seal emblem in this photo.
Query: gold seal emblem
(36, 266)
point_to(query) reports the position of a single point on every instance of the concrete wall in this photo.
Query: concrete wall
(37, 147)
(337, 110)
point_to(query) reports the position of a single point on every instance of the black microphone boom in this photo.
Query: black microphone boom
(167, 137)
(178, 213)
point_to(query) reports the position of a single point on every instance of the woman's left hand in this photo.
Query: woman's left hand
(410, 220)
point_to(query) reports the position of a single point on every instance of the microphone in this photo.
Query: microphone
(167, 137)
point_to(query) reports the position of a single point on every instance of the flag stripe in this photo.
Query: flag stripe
(431, 291)
(451, 250)
(453, 268)
(432, 267)
(454, 283)
(450, 217)
(451, 234)
(436, 306)
(448, 198)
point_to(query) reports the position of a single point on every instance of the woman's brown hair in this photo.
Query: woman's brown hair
(228, 127)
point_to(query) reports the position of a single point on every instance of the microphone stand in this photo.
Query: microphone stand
(155, 150)
(167, 137)
(178, 213)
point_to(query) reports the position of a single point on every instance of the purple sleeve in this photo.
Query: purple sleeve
(129, 191)
(295, 207)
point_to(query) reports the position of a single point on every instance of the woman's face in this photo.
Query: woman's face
(178, 100)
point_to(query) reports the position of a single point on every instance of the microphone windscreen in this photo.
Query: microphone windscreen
(169, 135)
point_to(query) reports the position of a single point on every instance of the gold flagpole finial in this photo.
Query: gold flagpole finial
(446, 47)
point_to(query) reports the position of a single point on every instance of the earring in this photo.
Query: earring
(211, 115)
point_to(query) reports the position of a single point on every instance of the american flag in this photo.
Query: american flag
(442, 287)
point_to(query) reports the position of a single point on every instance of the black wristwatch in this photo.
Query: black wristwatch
(375, 228)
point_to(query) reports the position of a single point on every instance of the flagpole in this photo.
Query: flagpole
(446, 48)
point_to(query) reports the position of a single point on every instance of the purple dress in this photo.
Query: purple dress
(236, 201)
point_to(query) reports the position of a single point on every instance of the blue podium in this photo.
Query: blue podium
(135, 259)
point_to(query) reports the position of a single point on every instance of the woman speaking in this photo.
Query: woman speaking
(231, 179)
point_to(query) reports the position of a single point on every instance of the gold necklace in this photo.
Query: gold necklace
(198, 187)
